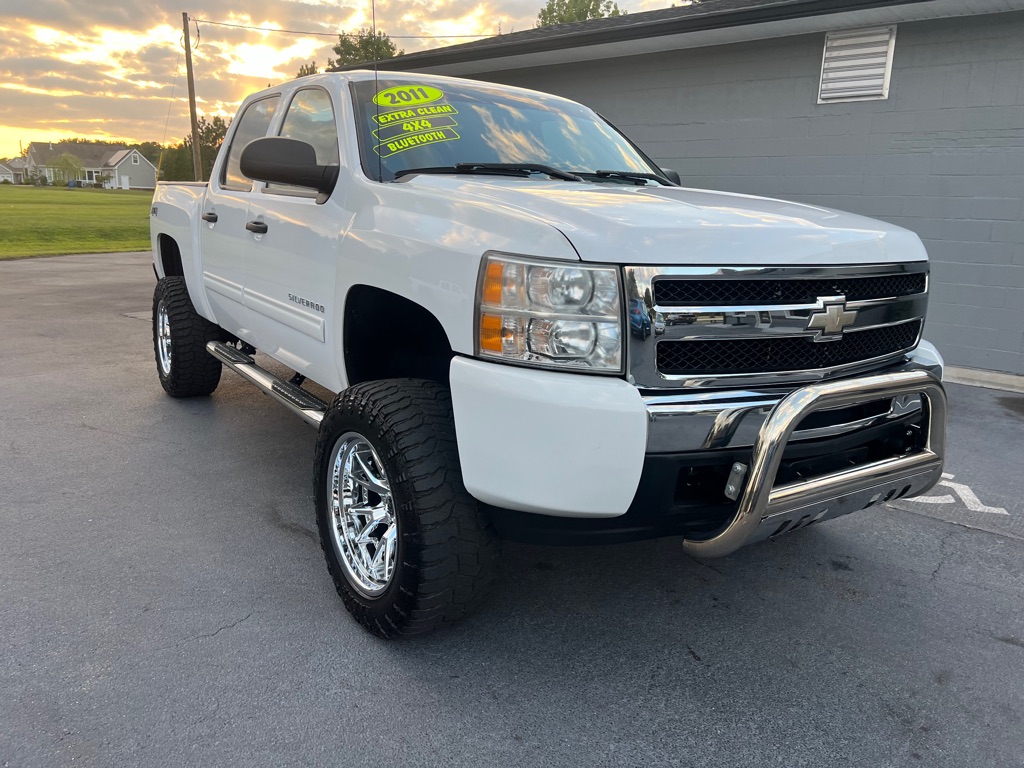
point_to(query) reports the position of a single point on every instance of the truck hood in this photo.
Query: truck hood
(623, 224)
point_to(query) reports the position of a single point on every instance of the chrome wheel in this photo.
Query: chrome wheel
(362, 514)
(163, 338)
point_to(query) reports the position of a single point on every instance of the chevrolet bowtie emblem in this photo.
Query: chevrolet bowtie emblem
(831, 319)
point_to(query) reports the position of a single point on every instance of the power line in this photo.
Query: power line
(331, 34)
(170, 101)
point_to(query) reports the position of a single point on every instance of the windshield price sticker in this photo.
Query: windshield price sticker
(407, 95)
(412, 125)
(387, 118)
(415, 125)
(413, 140)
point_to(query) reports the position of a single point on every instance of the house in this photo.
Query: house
(6, 173)
(112, 166)
(17, 166)
(911, 111)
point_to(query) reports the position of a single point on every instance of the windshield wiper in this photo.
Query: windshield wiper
(636, 176)
(519, 170)
(527, 167)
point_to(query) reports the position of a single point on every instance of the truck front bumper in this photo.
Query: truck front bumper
(568, 446)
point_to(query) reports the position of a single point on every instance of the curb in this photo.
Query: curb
(974, 377)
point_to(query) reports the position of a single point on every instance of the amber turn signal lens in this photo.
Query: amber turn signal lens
(490, 331)
(492, 283)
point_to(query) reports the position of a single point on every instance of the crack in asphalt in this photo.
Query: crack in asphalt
(252, 612)
(944, 553)
(1009, 640)
(227, 626)
(702, 564)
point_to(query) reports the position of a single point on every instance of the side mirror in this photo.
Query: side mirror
(287, 161)
(672, 176)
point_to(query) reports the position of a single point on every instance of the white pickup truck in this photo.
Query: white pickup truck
(535, 332)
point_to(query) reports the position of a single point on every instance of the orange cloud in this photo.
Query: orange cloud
(114, 69)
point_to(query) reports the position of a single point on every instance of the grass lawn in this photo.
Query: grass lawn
(50, 221)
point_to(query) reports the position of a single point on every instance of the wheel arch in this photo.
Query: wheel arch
(387, 336)
(170, 256)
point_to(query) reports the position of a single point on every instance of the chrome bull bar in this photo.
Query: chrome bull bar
(766, 510)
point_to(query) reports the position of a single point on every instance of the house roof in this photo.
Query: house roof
(15, 163)
(90, 155)
(117, 157)
(697, 17)
(4, 168)
(120, 157)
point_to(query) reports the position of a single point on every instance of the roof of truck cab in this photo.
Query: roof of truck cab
(331, 79)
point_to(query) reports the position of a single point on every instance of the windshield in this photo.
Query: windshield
(405, 123)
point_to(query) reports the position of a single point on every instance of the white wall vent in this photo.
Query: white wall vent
(856, 64)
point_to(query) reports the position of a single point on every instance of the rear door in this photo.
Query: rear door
(223, 235)
(291, 267)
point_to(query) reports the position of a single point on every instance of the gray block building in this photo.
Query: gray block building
(909, 111)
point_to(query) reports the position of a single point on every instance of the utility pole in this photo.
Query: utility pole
(197, 161)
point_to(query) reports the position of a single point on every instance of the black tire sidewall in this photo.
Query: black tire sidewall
(193, 371)
(399, 593)
(447, 548)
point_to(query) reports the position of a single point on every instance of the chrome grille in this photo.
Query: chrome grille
(675, 293)
(703, 358)
(726, 327)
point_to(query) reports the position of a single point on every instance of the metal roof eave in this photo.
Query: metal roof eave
(624, 32)
(755, 22)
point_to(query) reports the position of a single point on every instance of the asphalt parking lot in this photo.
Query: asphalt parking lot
(163, 600)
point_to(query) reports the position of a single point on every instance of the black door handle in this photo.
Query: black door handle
(210, 217)
(257, 227)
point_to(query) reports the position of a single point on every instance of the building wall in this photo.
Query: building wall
(943, 155)
(142, 176)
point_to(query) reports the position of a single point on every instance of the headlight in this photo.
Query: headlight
(551, 315)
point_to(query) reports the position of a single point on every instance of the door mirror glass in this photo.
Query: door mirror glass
(288, 161)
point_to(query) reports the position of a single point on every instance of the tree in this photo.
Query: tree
(176, 164)
(308, 69)
(211, 135)
(566, 11)
(363, 46)
(67, 168)
(148, 149)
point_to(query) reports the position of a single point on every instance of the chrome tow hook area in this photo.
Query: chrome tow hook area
(766, 509)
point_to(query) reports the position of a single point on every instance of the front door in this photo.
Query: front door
(291, 265)
(223, 235)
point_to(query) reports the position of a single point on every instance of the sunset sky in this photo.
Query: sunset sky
(105, 69)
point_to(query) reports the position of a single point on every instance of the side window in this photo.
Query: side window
(253, 124)
(310, 118)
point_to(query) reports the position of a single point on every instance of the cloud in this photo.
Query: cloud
(108, 68)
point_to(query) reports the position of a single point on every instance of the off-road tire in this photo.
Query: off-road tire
(447, 549)
(193, 371)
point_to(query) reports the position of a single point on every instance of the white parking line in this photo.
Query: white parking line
(967, 496)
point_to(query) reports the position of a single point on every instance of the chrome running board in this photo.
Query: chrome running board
(309, 408)
(766, 510)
